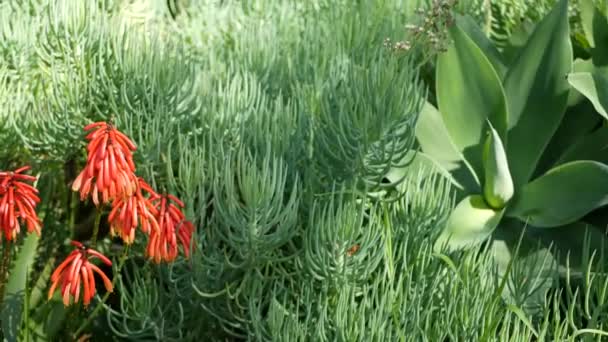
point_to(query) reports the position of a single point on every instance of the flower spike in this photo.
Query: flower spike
(109, 171)
(18, 202)
(173, 228)
(129, 211)
(77, 272)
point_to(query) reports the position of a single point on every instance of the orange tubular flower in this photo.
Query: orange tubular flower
(128, 211)
(76, 271)
(162, 245)
(18, 202)
(110, 168)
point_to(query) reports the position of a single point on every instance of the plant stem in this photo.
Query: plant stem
(73, 207)
(98, 308)
(96, 227)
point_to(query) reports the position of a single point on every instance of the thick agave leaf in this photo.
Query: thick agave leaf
(434, 138)
(537, 92)
(469, 92)
(579, 65)
(593, 146)
(595, 87)
(472, 29)
(595, 27)
(578, 123)
(422, 163)
(498, 186)
(471, 222)
(563, 195)
(517, 40)
(437, 147)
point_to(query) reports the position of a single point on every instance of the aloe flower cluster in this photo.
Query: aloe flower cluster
(76, 272)
(18, 201)
(109, 178)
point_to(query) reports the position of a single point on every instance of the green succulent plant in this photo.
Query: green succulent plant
(517, 144)
(590, 75)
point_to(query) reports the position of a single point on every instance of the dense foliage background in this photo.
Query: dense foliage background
(287, 128)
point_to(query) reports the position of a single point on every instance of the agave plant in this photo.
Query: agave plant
(509, 136)
(590, 76)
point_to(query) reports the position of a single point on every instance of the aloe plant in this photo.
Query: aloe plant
(509, 139)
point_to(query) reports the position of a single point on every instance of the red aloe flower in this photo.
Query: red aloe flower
(110, 168)
(172, 226)
(128, 211)
(18, 202)
(76, 271)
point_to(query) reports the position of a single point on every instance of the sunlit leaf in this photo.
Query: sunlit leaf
(469, 93)
(537, 92)
(595, 87)
(562, 195)
(471, 222)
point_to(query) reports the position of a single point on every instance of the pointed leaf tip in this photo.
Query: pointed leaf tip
(537, 92)
(498, 186)
(594, 87)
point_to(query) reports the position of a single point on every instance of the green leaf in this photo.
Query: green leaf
(40, 288)
(437, 146)
(517, 40)
(533, 268)
(422, 164)
(595, 27)
(471, 222)
(578, 122)
(595, 87)
(469, 25)
(537, 92)
(498, 186)
(579, 65)
(563, 195)
(434, 138)
(469, 92)
(593, 146)
(12, 307)
(572, 244)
